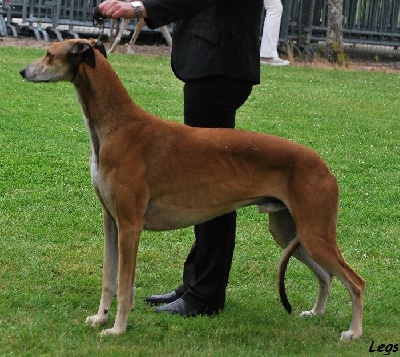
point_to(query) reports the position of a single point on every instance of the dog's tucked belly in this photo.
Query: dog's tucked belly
(161, 217)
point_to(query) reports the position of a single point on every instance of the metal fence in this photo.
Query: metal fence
(46, 19)
(372, 22)
(375, 22)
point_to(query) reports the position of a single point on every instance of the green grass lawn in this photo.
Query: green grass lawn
(51, 233)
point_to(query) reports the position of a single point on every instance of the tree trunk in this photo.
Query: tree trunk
(334, 31)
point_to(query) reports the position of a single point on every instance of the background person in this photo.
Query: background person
(270, 36)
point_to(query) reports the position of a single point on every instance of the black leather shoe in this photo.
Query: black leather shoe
(178, 307)
(163, 298)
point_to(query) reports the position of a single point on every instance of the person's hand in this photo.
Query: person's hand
(115, 9)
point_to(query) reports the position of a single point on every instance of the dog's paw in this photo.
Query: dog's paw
(308, 313)
(112, 332)
(350, 335)
(96, 320)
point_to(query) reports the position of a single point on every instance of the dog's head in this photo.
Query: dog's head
(62, 60)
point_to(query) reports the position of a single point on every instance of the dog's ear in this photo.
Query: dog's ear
(85, 50)
(100, 46)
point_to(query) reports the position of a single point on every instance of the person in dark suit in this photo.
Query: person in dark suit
(215, 52)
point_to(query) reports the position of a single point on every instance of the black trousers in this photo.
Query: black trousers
(211, 102)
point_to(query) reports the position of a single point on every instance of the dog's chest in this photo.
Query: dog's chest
(94, 170)
(94, 154)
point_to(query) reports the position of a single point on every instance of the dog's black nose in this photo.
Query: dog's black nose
(22, 72)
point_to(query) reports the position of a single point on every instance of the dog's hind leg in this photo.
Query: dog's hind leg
(110, 270)
(316, 230)
(165, 32)
(325, 251)
(135, 35)
(283, 229)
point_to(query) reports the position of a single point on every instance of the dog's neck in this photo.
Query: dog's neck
(102, 96)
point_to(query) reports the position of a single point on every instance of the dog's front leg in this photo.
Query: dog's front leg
(117, 40)
(110, 269)
(111, 34)
(128, 243)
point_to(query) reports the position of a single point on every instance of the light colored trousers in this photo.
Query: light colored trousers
(272, 25)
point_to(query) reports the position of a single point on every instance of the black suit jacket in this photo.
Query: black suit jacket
(211, 37)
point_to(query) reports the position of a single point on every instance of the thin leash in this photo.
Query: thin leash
(98, 21)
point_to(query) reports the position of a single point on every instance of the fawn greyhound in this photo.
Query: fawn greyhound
(123, 26)
(122, 23)
(149, 173)
(139, 26)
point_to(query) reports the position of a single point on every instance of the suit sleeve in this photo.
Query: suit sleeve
(163, 12)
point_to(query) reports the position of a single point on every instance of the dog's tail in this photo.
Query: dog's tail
(286, 254)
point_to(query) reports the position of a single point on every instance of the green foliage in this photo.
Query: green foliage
(50, 220)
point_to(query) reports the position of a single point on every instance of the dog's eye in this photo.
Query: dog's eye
(49, 57)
